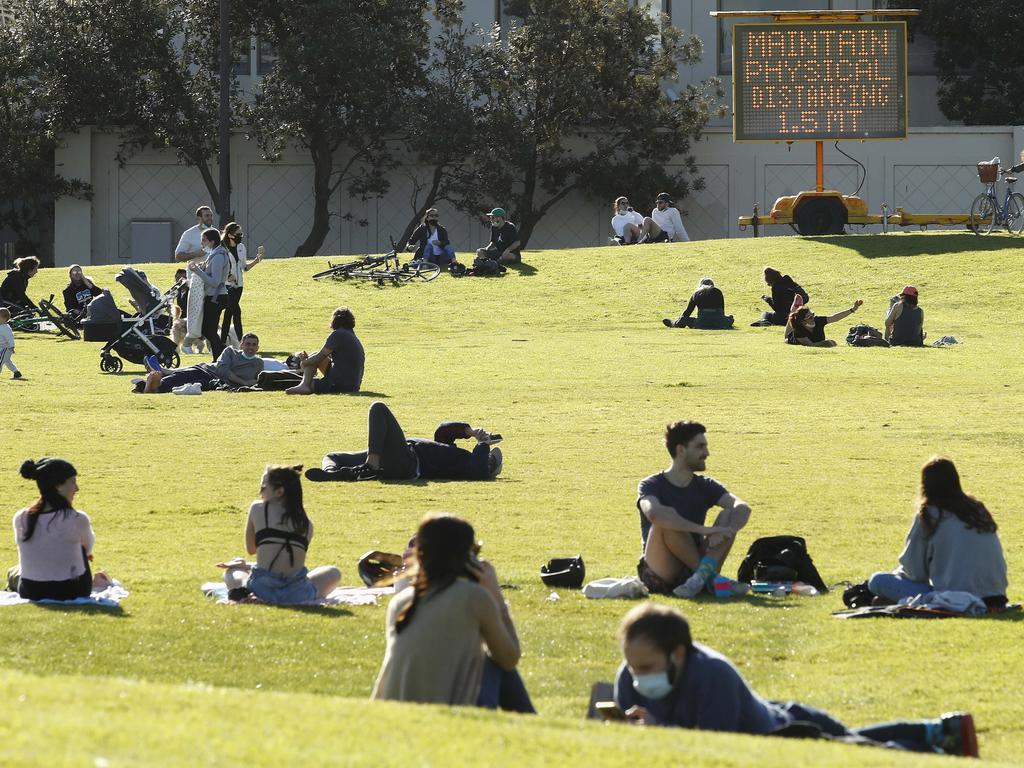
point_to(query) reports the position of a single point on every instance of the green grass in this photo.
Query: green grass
(572, 365)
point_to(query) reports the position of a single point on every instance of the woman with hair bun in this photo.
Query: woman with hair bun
(54, 539)
(439, 627)
(278, 532)
(952, 545)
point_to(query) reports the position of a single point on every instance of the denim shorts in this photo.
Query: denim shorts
(282, 590)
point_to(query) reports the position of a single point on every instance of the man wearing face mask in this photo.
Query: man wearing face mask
(667, 679)
(190, 248)
(234, 367)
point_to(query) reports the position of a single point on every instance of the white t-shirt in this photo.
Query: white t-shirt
(671, 222)
(54, 553)
(432, 239)
(191, 240)
(273, 364)
(620, 220)
(6, 336)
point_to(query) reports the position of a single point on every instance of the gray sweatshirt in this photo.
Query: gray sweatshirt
(214, 273)
(955, 557)
(233, 361)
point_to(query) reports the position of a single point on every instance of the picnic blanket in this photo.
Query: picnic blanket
(932, 605)
(110, 597)
(218, 590)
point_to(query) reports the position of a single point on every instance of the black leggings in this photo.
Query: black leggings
(386, 439)
(232, 314)
(211, 317)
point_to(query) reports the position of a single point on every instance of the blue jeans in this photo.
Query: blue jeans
(914, 736)
(895, 588)
(446, 257)
(504, 689)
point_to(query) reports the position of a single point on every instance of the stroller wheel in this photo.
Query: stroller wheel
(111, 364)
(170, 359)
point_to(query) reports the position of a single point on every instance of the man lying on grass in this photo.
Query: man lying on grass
(390, 456)
(667, 679)
(234, 368)
(681, 555)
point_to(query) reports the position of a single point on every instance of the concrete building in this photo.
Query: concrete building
(140, 209)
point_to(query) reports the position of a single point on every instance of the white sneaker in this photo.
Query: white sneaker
(136, 380)
(194, 388)
(186, 349)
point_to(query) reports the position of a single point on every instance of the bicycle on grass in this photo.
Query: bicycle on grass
(382, 269)
(986, 212)
(43, 318)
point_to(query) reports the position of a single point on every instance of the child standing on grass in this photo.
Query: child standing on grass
(7, 343)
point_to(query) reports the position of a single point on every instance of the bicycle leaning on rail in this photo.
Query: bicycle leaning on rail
(986, 212)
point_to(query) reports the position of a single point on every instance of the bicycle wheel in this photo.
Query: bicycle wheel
(1015, 213)
(419, 270)
(983, 214)
(58, 320)
(337, 271)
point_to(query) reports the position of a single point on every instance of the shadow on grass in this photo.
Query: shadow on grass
(104, 610)
(525, 270)
(330, 611)
(885, 246)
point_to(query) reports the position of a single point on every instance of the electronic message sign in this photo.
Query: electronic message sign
(812, 81)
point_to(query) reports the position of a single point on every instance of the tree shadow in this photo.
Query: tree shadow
(366, 393)
(525, 270)
(105, 610)
(904, 244)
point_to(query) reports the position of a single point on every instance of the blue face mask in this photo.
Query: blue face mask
(656, 685)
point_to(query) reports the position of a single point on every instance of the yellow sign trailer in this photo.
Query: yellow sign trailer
(816, 75)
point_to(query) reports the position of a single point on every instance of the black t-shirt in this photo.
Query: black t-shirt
(503, 237)
(815, 334)
(690, 503)
(347, 359)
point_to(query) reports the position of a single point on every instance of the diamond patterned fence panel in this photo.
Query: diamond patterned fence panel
(574, 222)
(280, 209)
(156, 192)
(706, 213)
(935, 188)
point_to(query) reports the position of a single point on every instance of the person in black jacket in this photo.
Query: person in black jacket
(79, 292)
(13, 290)
(710, 305)
(392, 456)
(784, 290)
(430, 241)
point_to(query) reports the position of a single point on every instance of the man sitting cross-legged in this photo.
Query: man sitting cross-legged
(236, 368)
(681, 555)
(390, 456)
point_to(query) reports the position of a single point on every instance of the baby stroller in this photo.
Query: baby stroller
(137, 336)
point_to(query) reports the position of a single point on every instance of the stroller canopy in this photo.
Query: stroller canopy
(144, 293)
(102, 309)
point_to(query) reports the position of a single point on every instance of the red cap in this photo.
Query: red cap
(909, 291)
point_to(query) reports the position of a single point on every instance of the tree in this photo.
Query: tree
(343, 81)
(979, 58)
(576, 101)
(147, 68)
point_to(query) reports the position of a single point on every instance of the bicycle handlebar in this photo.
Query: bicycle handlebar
(1014, 169)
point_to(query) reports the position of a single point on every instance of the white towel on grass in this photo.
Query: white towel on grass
(340, 596)
(110, 597)
(628, 587)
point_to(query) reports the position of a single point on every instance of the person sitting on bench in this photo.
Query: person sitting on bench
(390, 456)
(952, 544)
(668, 679)
(904, 324)
(710, 305)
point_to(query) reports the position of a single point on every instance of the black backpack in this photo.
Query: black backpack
(485, 267)
(780, 558)
(568, 572)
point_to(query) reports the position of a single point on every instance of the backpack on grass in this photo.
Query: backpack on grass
(780, 558)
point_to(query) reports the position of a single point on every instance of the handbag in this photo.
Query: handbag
(567, 572)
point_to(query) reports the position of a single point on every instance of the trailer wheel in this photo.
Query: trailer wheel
(820, 216)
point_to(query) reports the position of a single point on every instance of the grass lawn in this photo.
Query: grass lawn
(568, 359)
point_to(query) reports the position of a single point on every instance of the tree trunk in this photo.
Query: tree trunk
(528, 217)
(323, 165)
(417, 217)
(211, 185)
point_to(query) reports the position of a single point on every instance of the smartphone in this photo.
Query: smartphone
(609, 710)
(473, 562)
(494, 438)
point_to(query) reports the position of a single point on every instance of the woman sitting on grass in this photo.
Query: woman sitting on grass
(54, 539)
(278, 532)
(952, 544)
(438, 627)
(808, 330)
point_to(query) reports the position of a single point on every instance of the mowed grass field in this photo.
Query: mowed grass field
(568, 359)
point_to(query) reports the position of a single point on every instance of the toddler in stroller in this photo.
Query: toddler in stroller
(133, 337)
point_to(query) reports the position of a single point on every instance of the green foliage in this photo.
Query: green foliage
(572, 365)
(576, 101)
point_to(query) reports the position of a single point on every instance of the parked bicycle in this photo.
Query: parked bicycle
(986, 212)
(386, 268)
(45, 317)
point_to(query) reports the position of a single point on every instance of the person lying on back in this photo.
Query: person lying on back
(234, 367)
(709, 302)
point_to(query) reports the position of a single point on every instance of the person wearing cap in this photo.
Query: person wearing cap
(667, 679)
(710, 305)
(667, 224)
(806, 329)
(904, 325)
(504, 245)
(430, 241)
(54, 539)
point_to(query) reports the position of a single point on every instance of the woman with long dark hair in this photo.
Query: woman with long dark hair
(213, 274)
(438, 627)
(952, 544)
(238, 265)
(430, 240)
(278, 532)
(54, 539)
(14, 289)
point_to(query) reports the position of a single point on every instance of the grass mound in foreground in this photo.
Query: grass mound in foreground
(570, 362)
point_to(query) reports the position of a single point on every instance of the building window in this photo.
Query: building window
(265, 57)
(725, 25)
(243, 62)
(920, 47)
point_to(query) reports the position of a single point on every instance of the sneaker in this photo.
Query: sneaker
(152, 363)
(692, 587)
(17, 375)
(494, 463)
(668, 323)
(238, 594)
(725, 587)
(318, 475)
(958, 734)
